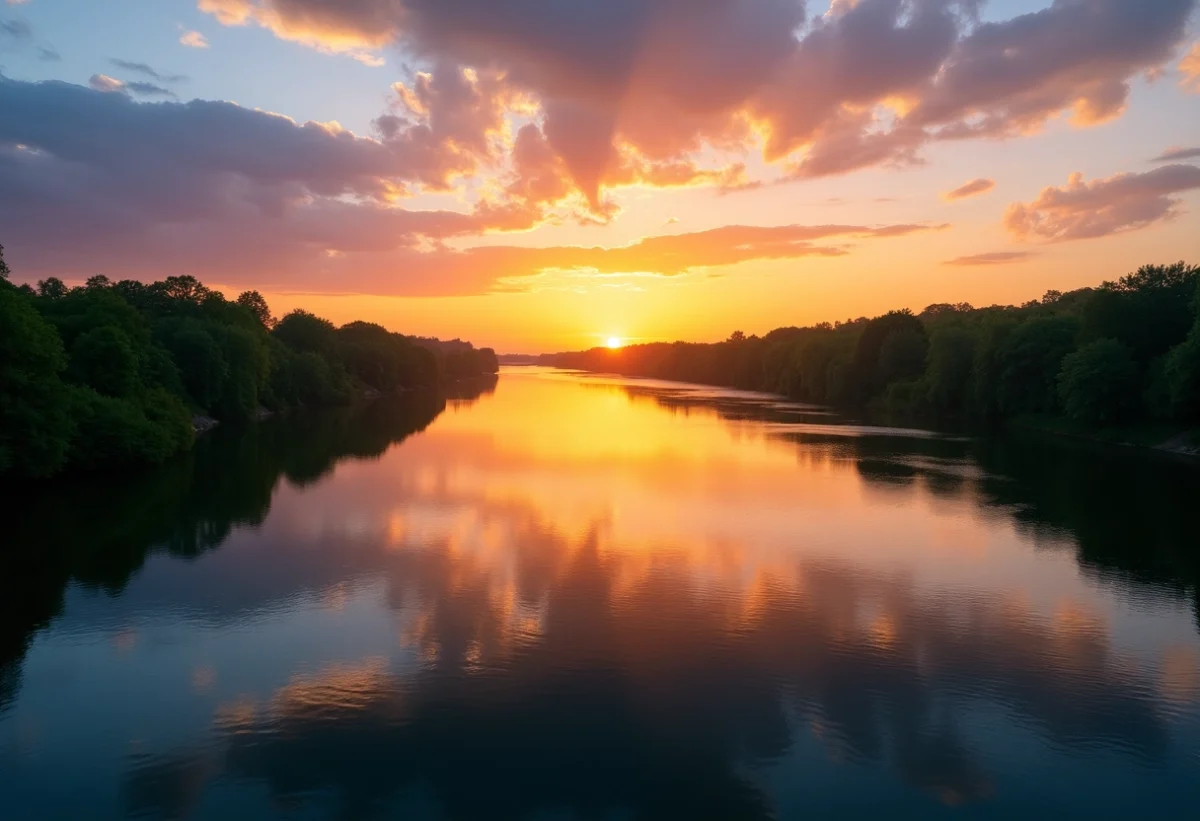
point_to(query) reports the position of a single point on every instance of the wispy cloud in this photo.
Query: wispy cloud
(147, 71)
(971, 189)
(1178, 153)
(15, 29)
(994, 258)
(145, 89)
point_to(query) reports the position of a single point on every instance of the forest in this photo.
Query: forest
(108, 375)
(1122, 354)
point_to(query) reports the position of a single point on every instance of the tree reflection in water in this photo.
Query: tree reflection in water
(550, 671)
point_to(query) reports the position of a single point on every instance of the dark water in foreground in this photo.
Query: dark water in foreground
(578, 598)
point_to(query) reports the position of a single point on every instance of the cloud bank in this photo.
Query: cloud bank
(534, 110)
(868, 83)
(247, 196)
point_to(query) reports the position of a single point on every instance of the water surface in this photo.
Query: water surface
(574, 597)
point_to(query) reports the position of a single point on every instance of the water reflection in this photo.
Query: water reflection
(609, 601)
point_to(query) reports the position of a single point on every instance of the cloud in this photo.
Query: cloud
(1178, 153)
(18, 36)
(15, 29)
(450, 121)
(970, 189)
(995, 258)
(1083, 210)
(147, 71)
(868, 83)
(148, 89)
(1189, 67)
(102, 82)
(193, 39)
(1079, 56)
(356, 30)
(204, 186)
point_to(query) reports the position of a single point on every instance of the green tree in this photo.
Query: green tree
(307, 333)
(247, 369)
(373, 355)
(117, 433)
(1030, 360)
(35, 425)
(51, 288)
(1181, 373)
(103, 358)
(902, 355)
(257, 305)
(1149, 311)
(948, 376)
(201, 362)
(869, 377)
(1098, 383)
(4, 271)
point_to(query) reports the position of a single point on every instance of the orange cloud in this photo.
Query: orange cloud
(971, 189)
(193, 39)
(1085, 210)
(1189, 67)
(102, 82)
(868, 83)
(311, 24)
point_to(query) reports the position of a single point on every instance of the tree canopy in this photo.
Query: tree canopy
(110, 374)
(1124, 352)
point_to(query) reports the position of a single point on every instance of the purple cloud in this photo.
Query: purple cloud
(867, 83)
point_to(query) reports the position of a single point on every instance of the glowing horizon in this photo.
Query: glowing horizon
(510, 177)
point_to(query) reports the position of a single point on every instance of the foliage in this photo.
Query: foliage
(1029, 361)
(110, 374)
(254, 302)
(1181, 372)
(35, 427)
(950, 366)
(1098, 383)
(1125, 352)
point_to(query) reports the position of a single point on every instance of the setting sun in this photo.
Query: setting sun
(614, 342)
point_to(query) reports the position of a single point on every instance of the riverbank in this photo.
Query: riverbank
(1165, 438)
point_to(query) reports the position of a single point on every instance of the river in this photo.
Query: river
(564, 596)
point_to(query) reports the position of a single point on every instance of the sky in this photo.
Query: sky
(543, 175)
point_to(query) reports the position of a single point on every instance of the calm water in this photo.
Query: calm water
(583, 598)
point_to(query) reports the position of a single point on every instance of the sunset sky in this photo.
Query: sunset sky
(540, 175)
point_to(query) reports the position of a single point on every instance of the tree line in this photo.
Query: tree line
(1123, 353)
(112, 374)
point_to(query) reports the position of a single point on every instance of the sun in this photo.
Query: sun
(614, 342)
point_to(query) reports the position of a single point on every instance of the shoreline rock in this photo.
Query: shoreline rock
(203, 424)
